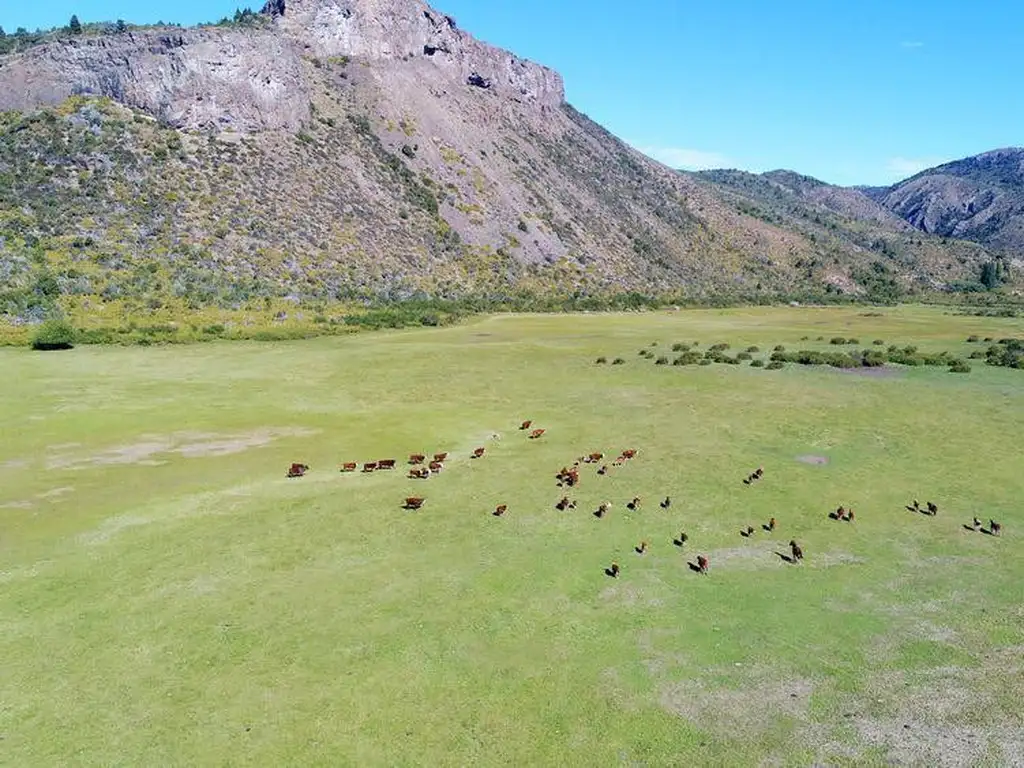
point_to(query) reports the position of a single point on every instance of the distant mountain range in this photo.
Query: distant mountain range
(343, 149)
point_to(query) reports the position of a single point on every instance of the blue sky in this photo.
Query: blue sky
(849, 91)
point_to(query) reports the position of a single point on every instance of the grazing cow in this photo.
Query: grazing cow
(613, 570)
(413, 502)
(771, 524)
(386, 464)
(417, 458)
(994, 527)
(564, 504)
(642, 548)
(419, 473)
(629, 454)
(601, 510)
(702, 564)
(298, 470)
(435, 466)
(603, 470)
(594, 458)
(932, 509)
(369, 466)
(915, 504)
(349, 466)
(440, 456)
(798, 553)
(683, 538)
(976, 524)
(748, 531)
(634, 505)
(849, 515)
(525, 425)
(666, 503)
(478, 453)
(536, 433)
(500, 510)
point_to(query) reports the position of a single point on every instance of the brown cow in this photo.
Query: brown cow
(435, 466)
(594, 458)
(369, 466)
(349, 466)
(798, 553)
(994, 528)
(525, 425)
(630, 454)
(297, 470)
(478, 453)
(419, 473)
(386, 464)
(537, 433)
(500, 510)
(613, 571)
(440, 456)
(771, 524)
(413, 502)
(932, 509)
(702, 564)
(417, 458)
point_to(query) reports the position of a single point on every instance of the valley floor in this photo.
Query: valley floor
(169, 597)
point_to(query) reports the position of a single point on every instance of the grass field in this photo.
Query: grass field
(168, 597)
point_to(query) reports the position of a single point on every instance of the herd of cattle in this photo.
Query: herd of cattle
(421, 468)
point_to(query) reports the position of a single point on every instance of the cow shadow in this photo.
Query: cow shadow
(678, 542)
(610, 573)
(766, 528)
(694, 567)
(986, 531)
(746, 534)
(972, 529)
(787, 558)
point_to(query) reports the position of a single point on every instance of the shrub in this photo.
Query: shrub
(988, 339)
(977, 355)
(705, 361)
(820, 338)
(661, 361)
(775, 365)
(878, 342)
(721, 347)
(959, 366)
(618, 361)
(910, 350)
(972, 339)
(757, 363)
(743, 356)
(780, 348)
(872, 358)
(805, 338)
(688, 358)
(853, 341)
(54, 334)
(601, 360)
(837, 340)
(753, 350)
(680, 347)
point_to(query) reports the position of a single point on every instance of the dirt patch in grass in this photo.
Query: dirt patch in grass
(814, 460)
(746, 709)
(188, 444)
(874, 372)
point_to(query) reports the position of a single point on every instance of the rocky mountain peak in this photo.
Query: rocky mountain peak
(393, 30)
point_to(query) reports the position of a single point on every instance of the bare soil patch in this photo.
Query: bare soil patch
(188, 444)
(815, 460)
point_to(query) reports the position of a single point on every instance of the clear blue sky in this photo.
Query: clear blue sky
(849, 91)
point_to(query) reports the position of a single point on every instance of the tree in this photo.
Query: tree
(990, 274)
(75, 26)
(120, 27)
(2, 33)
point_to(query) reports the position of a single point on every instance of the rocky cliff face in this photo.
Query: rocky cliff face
(204, 79)
(404, 29)
(252, 79)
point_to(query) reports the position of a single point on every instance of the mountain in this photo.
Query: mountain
(365, 149)
(979, 198)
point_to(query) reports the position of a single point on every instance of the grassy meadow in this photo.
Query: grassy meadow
(168, 597)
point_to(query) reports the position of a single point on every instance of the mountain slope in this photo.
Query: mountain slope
(378, 151)
(979, 198)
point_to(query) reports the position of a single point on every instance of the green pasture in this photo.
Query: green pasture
(169, 597)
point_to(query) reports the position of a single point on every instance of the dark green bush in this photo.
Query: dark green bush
(688, 358)
(743, 356)
(775, 365)
(753, 350)
(618, 361)
(720, 347)
(959, 366)
(779, 348)
(837, 340)
(661, 361)
(705, 361)
(757, 363)
(601, 360)
(853, 341)
(680, 347)
(972, 339)
(878, 342)
(54, 334)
